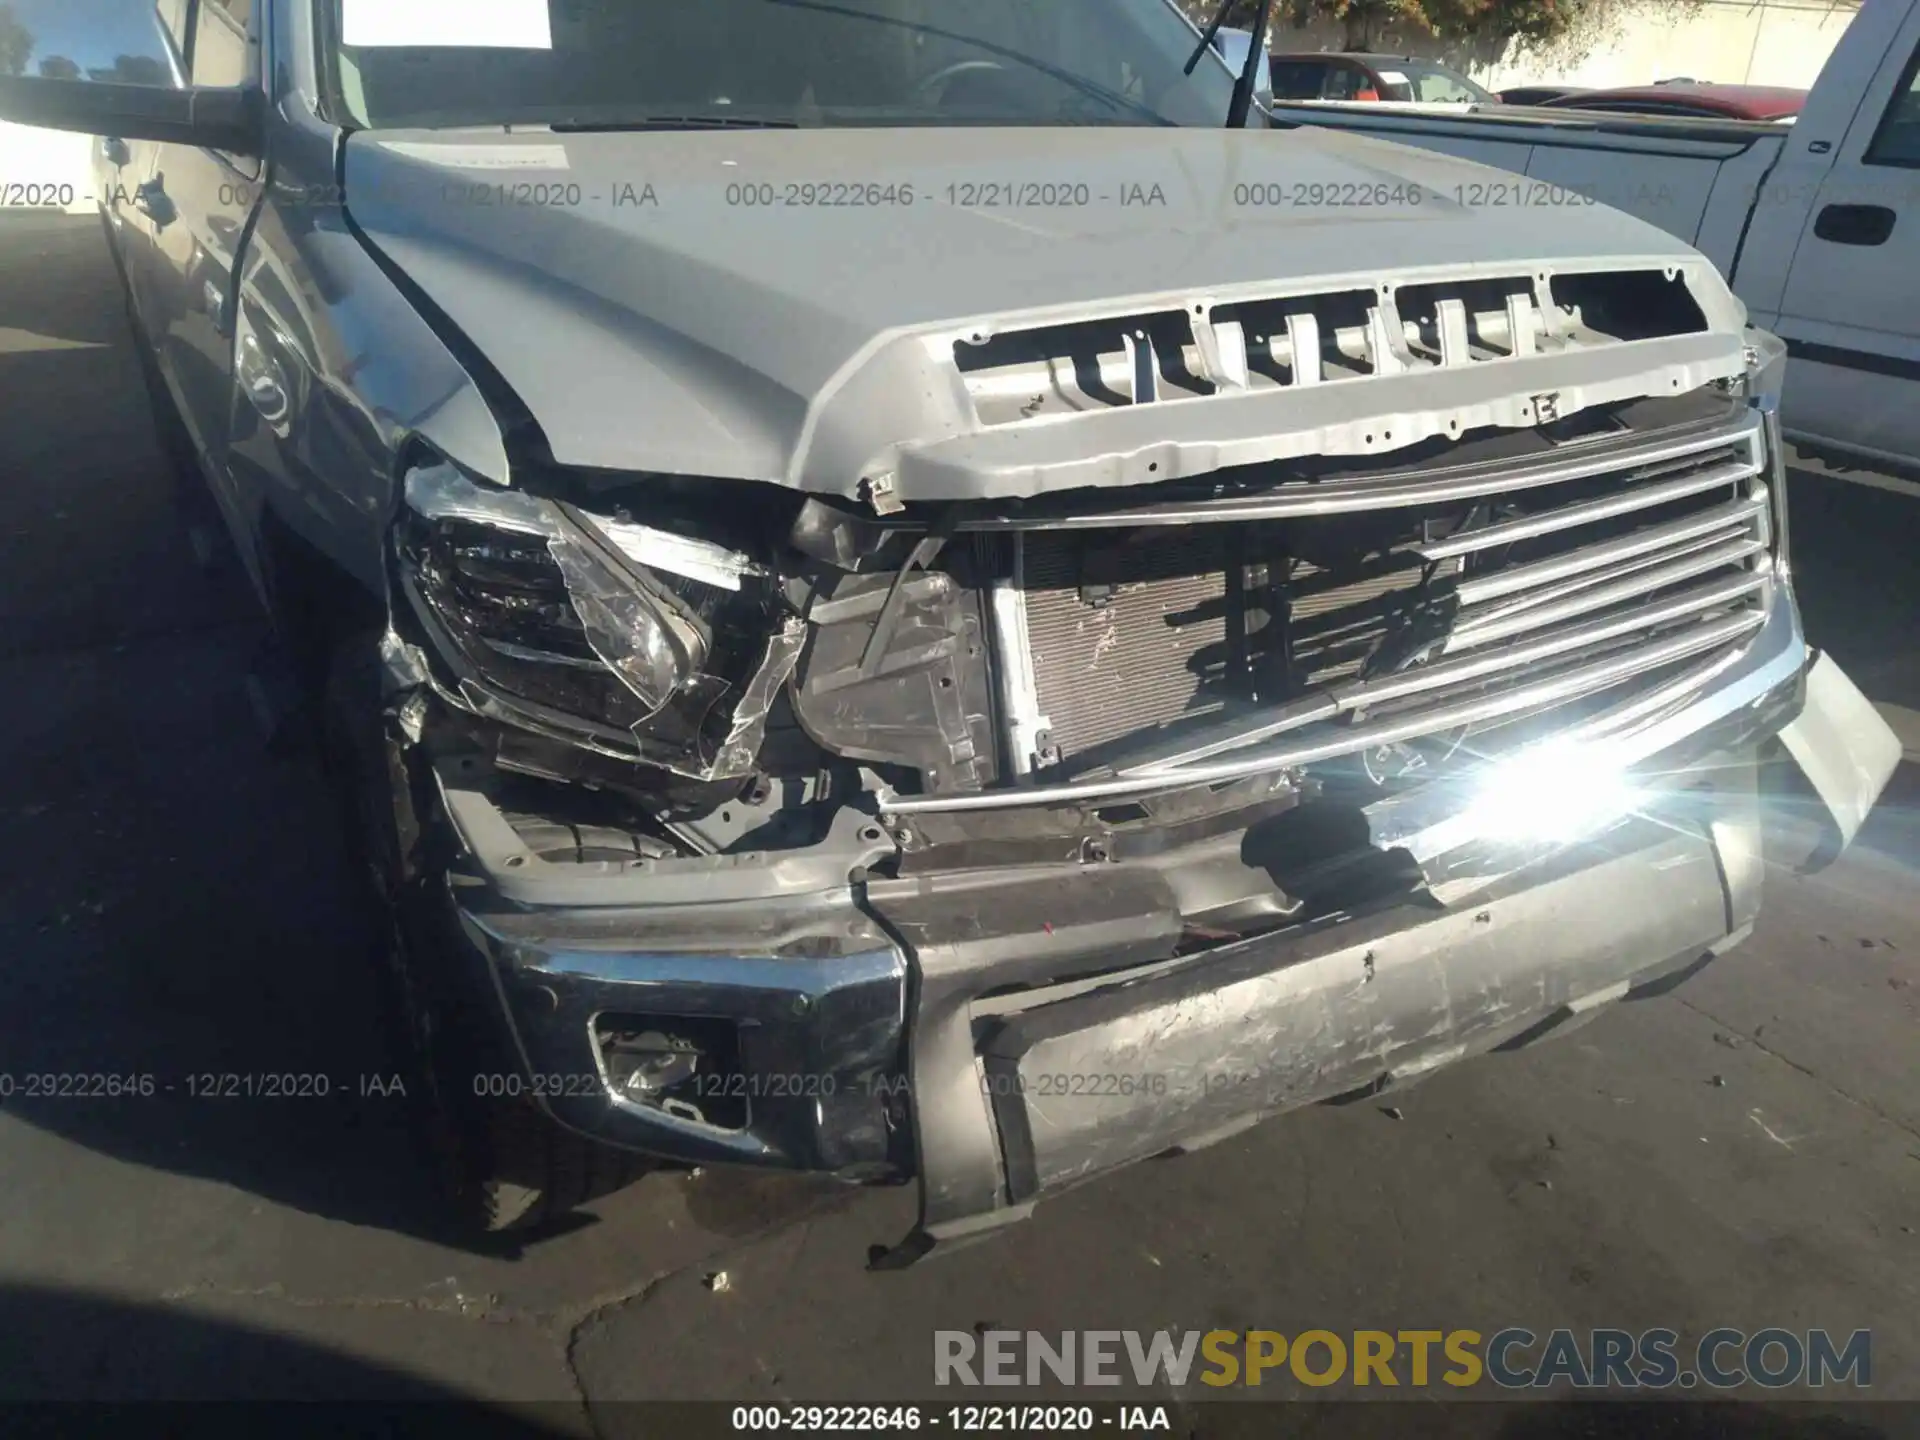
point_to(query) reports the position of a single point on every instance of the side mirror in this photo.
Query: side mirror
(115, 68)
(215, 119)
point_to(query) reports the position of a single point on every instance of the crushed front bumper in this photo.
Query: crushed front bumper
(1003, 1034)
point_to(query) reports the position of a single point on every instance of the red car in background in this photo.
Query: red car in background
(1715, 102)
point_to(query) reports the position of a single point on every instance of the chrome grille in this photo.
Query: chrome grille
(1608, 577)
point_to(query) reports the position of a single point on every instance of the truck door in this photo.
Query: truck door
(1850, 310)
(198, 203)
(121, 168)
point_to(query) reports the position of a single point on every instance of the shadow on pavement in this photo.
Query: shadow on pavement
(189, 975)
(72, 1346)
(1856, 560)
(190, 978)
(55, 255)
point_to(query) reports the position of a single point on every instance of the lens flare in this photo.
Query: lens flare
(1554, 792)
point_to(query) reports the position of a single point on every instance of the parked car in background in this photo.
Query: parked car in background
(1351, 76)
(1678, 97)
(1815, 224)
(1537, 94)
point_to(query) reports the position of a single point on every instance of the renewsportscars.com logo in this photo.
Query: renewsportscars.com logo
(1513, 1358)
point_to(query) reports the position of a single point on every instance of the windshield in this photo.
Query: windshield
(615, 63)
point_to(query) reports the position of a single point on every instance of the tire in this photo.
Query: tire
(499, 1162)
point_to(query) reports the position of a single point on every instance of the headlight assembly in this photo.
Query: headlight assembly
(632, 638)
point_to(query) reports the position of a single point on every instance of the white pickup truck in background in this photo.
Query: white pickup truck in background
(1816, 224)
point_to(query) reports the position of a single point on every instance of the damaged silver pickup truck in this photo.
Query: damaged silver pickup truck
(889, 614)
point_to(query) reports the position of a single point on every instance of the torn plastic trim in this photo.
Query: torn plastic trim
(678, 554)
(817, 874)
(403, 667)
(741, 749)
(640, 635)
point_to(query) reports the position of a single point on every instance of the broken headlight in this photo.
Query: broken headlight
(636, 639)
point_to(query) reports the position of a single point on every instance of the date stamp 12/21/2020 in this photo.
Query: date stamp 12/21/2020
(36, 1085)
(79, 1085)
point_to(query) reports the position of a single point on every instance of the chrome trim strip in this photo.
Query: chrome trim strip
(1740, 513)
(1429, 822)
(1733, 549)
(1572, 517)
(1559, 689)
(1351, 695)
(1404, 487)
(1470, 634)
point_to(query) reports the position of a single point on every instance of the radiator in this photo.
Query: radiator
(1127, 654)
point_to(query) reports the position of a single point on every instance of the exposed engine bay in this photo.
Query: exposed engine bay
(1080, 680)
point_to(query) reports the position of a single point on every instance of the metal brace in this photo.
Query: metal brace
(881, 496)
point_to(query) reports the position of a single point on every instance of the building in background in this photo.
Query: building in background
(1726, 42)
(1721, 42)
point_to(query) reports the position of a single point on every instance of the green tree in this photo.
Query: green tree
(16, 44)
(1482, 24)
(131, 70)
(59, 67)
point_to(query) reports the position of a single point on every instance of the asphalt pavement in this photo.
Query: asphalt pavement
(1742, 1152)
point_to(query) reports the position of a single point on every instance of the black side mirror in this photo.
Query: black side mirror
(216, 119)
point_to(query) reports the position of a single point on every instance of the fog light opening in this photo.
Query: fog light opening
(684, 1067)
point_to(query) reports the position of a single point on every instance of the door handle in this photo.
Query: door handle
(1854, 224)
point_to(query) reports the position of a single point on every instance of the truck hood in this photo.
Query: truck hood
(785, 305)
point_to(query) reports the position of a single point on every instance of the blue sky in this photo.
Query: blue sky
(89, 32)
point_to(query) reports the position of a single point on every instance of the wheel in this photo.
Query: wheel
(500, 1163)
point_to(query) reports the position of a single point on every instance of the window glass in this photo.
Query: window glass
(1434, 86)
(117, 42)
(220, 54)
(1299, 79)
(1392, 84)
(849, 62)
(1898, 140)
(1342, 82)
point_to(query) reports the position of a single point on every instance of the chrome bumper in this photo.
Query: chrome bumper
(941, 1042)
